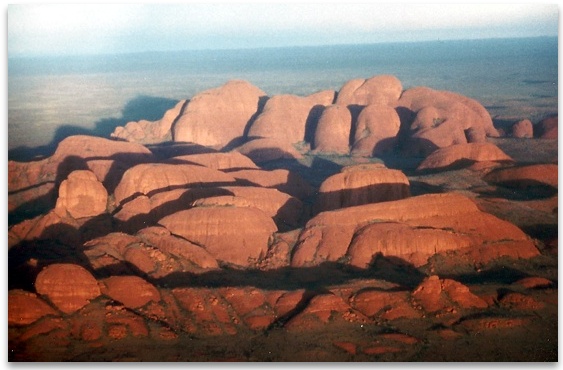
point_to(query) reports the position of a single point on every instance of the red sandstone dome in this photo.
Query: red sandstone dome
(218, 116)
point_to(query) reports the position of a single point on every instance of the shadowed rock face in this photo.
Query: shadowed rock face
(148, 179)
(547, 128)
(218, 116)
(463, 155)
(525, 176)
(362, 186)
(262, 150)
(35, 184)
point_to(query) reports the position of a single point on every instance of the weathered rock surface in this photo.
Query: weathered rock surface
(523, 129)
(217, 117)
(376, 130)
(25, 308)
(284, 209)
(332, 134)
(236, 235)
(547, 128)
(69, 287)
(230, 161)
(131, 291)
(435, 294)
(524, 177)
(287, 117)
(266, 149)
(463, 155)
(150, 132)
(381, 90)
(353, 187)
(443, 118)
(445, 221)
(148, 179)
(82, 195)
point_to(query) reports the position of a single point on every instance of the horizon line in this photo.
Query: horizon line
(64, 55)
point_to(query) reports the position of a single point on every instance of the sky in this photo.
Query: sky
(74, 29)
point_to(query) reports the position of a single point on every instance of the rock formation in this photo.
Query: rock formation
(411, 229)
(547, 128)
(81, 195)
(147, 132)
(332, 134)
(235, 235)
(463, 155)
(356, 185)
(523, 129)
(290, 117)
(219, 116)
(441, 119)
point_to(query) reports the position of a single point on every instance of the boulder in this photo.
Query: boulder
(25, 308)
(289, 117)
(463, 155)
(441, 119)
(81, 195)
(375, 131)
(132, 291)
(547, 128)
(219, 116)
(230, 161)
(353, 187)
(437, 222)
(523, 129)
(332, 134)
(524, 177)
(381, 90)
(235, 235)
(149, 179)
(69, 287)
(150, 132)
(262, 150)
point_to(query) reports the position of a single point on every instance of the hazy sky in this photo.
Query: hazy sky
(108, 28)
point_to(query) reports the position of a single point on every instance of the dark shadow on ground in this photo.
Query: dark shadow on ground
(143, 107)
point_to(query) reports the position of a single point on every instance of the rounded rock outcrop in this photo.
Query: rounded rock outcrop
(289, 117)
(362, 186)
(381, 90)
(82, 195)
(219, 116)
(375, 131)
(235, 235)
(69, 287)
(463, 155)
(332, 134)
